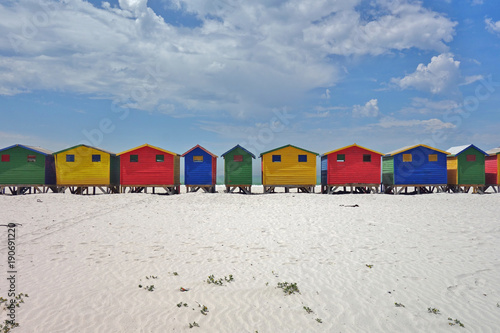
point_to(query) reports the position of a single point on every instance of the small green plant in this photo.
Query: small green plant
(369, 266)
(219, 282)
(180, 304)
(433, 310)
(454, 322)
(308, 309)
(399, 305)
(194, 324)
(319, 320)
(175, 273)
(9, 325)
(289, 288)
(148, 288)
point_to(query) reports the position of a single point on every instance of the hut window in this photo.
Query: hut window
(471, 158)
(238, 158)
(340, 157)
(31, 158)
(276, 158)
(407, 158)
(302, 158)
(433, 158)
(5, 158)
(160, 158)
(96, 158)
(134, 158)
(70, 158)
(367, 158)
(198, 158)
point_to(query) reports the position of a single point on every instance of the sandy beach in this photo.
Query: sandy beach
(375, 267)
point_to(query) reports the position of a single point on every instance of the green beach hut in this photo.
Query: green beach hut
(238, 169)
(466, 168)
(25, 167)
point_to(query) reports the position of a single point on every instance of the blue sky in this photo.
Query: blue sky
(317, 74)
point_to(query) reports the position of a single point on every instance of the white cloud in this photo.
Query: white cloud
(326, 95)
(244, 57)
(370, 109)
(426, 106)
(471, 79)
(491, 26)
(398, 25)
(428, 125)
(441, 75)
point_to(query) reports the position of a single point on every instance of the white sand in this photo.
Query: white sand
(81, 259)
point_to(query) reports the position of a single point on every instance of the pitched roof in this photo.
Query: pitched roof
(40, 150)
(457, 150)
(198, 146)
(147, 145)
(493, 151)
(269, 151)
(104, 151)
(401, 150)
(353, 145)
(238, 146)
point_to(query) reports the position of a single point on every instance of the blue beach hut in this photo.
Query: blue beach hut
(200, 169)
(420, 166)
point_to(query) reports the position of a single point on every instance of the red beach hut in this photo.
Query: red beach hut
(492, 166)
(149, 166)
(352, 166)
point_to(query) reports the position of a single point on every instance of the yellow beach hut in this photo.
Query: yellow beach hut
(81, 167)
(289, 167)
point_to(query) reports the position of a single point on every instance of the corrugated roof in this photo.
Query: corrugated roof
(353, 145)
(198, 146)
(269, 151)
(400, 150)
(104, 151)
(455, 151)
(493, 151)
(238, 146)
(147, 145)
(33, 148)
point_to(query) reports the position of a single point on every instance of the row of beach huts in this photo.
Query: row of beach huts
(84, 169)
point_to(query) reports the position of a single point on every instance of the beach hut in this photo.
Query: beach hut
(149, 166)
(200, 169)
(238, 169)
(420, 166)
(352, 166)
(23, 168)
(466, 169)
(82, 167)
(492, 165)
(289, 167)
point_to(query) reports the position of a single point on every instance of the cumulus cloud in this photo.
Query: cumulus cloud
(370, 109)
(493, 27)
(242, 57)
(442, 74)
